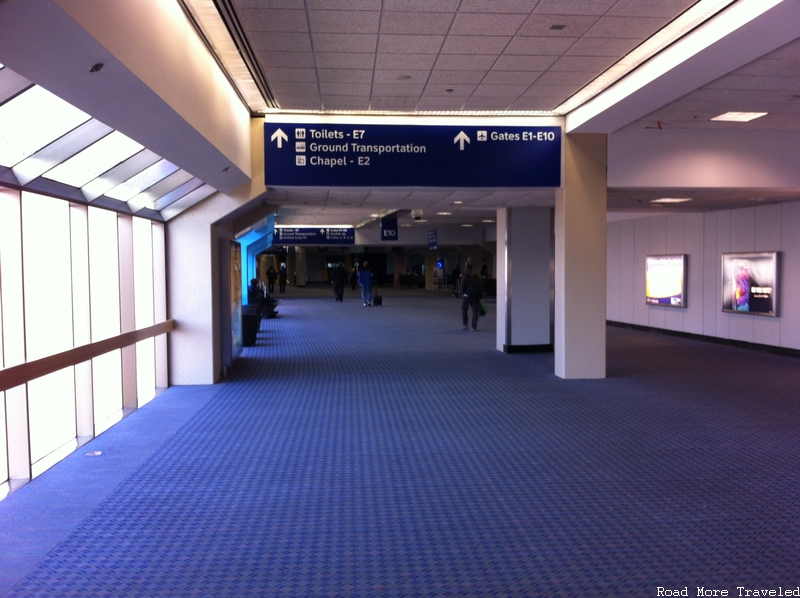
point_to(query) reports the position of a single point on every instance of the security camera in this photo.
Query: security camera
(416, 214)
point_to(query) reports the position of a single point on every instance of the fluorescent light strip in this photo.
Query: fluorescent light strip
(214, 30)
(671, 200)
(683, 24)
(739, 117)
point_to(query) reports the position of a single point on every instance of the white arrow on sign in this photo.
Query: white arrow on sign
(460, 139)
(281, 136)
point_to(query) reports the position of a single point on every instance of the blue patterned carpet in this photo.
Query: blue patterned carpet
(384, 452)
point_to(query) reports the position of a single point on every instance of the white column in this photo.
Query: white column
(580, 227)
(524, 253)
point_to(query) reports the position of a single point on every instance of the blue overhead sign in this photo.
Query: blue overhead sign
(433, 239)
(411, 155)
(389, 229)
(314, 236)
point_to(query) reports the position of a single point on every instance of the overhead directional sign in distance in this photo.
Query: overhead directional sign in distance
(411, 155)
(309, 235)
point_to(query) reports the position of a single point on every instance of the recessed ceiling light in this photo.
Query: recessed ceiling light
(671, 200)
(405, 225)
(558, 27)
(421, 220)
(457, 203)
(443, 213)
(403, 77)
(487, 220)
(467, 225)
(740, 117)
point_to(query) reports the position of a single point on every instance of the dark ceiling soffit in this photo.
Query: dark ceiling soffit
(228, 14)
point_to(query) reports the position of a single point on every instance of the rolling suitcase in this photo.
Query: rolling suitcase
(377, 300)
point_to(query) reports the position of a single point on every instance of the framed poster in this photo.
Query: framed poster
(665, 280)
(750, 283)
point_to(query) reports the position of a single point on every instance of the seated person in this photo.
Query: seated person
(257, 295)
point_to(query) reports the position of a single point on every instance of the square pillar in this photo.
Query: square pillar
(580, 228)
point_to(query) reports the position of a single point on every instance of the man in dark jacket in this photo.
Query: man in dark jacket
(471, 293)
(338, 280)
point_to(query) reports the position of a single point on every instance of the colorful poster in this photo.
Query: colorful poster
(749, 283)
(665, 280)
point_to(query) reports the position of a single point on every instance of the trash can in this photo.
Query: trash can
(251, 321)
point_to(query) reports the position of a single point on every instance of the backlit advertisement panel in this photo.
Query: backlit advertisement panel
(750, 283)
(665, 280)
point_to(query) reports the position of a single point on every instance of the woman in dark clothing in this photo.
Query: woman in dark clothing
(282, 276)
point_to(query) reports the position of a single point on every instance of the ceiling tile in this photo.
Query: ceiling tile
(565, 78)
(284, 21)
(510, 92)
(668, 9)
(544, 91)
(454, 62)
(334, 102)
(380, 196)
(418, 23)
(344, 4)
(345, 76)
(441, 102)
(421, 5)
(270, 4)
(574, 25)
(625, 27)
(394, 103)
(405, 61)
(474, 44)
(487, 103)
(384, 89)
(574, 7)
(456, 77)
(344, 21)
(524, 63)
(280, 42)
(285, 59)
(498, 6)
(342, 89)
(345, 60)
(456, 90)
(510, 77)
(410, 44)
(593, 64)
(391, 76)
(486, 24)
(291, 74)
(543, 103)
(602, 46)
(345, 42)
(300, 102)
(539, 46)
(293, 88)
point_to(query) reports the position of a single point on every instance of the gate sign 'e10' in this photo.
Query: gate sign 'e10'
(336, 155)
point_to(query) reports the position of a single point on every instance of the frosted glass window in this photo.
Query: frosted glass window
(107, 387)
(145, 179)
(96, 159)
(103, 274)
(31, 120)
(145, 371)
(143, 272)
(47, 275)
(51, 412)
(3, 441)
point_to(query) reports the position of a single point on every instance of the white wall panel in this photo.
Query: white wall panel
(711, 274)
(641, 248)
(789, 276)
(704, 238)
(627, 283)
(695, 273)
(723, 246)
(612, 279)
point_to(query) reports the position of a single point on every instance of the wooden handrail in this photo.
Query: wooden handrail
(20, 374)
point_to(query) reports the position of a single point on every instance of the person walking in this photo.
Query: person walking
(354, 277)
(282, 276)
(471, 293)
(271, 276)
(338, 280)
(365, 279)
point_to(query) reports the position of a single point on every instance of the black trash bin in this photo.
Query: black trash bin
(251, 321)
